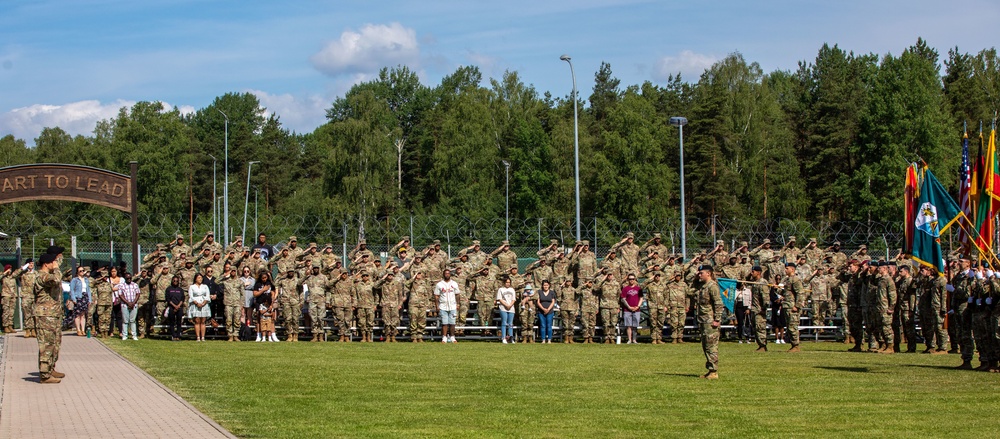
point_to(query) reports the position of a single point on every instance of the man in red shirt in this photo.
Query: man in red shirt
(631, 298)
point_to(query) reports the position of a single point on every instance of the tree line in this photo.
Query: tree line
(829, 140)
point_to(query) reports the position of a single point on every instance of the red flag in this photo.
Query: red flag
(910, 206)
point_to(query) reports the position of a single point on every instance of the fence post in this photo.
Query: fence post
(447, 238)
(539, 234)
(344, 255)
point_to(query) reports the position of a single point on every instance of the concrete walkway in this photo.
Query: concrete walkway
(103, 395)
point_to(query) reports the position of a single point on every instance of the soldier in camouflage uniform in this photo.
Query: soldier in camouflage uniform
(656, 301)
(933, 305)
(391, 301)
(343, 304)
(980, 316)
(854, 280)
(903, 326)
(527, 311)
(583, 262)
(678, 306)
(233, 299)
(768, 259)
(208, 242)
(610, 307)
(26, 276)
(789, 252)
(885, 306)
(8, 295)
(590, 306)
(812, 253)
(486, 280)
(611, 264)
(709, 318)
(420, 295)
(365, 301)
(628, 253)
(793, 300)
(104, 298)
(819, 283)
(569, 307)
(549, 253)
(316, 282)
(290, 302)
(47, 290)
(506, 257)
(760, 297)
(655, 245)
(144, 317)
(718, 256)
(177, 247)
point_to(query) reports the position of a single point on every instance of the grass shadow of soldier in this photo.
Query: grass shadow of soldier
(845, 369)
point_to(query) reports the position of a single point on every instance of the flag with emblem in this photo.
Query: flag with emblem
(727, 290)
(936, 213)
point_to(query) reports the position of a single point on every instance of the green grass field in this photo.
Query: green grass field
(476, 389)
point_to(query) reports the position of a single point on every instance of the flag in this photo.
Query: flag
(964, 184)
(909, 207)
(727, 290)
(983, 203)
(936, 212)
(992, 174)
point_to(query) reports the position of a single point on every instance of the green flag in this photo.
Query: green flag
(936, 212)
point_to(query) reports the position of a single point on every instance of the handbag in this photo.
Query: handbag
(246, 333)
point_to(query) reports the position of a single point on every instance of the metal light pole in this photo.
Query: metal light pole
(679, 122)
(576, 144)
(215, 194)
(506, 166)
(246, 202)
(225, 188)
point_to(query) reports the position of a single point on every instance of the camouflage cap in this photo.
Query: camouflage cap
(475, 242)
(720, 242)
(791, 238)
(405, 238)
(862, 247)
(328, 245)
(180, 236)
(313, 244)
(553, 242)
(766, 241)
(744, 244)
(657, 235)
(210, 233)
(812, 240)
(362, 241)
(292, 238)
(437, 242)
(505, 242)
(837, 243)
(630, 235)
(585, 242)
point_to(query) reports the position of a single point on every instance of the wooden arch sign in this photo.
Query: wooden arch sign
(49, 181)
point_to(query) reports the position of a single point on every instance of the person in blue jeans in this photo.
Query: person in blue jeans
(546, 302)
(506, 297)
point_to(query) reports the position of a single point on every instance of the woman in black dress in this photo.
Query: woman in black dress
(263, 293)
(778, 321)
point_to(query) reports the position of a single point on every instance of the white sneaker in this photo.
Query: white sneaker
(453, 339)
(505, 340)
(124, 337)
(135, 338)
(258, 337)
(444, 339)
(274, 338)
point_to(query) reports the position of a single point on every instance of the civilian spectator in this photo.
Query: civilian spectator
(631, 298)
(506, 297)
(128, 297)
(266, 251)
(79, 300)
(263, 296)
(198, 305)
(741, 308)
(445, 291)
(175, 307)
(546, 302)
(777, 314)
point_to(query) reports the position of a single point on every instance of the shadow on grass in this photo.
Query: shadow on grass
(845, 369)
(928, 366)
(687, 375)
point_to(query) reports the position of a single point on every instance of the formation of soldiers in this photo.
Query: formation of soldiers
(881, 301)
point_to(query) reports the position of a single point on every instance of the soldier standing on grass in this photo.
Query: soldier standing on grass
(760, 297)
(709, 318)
(792, 301)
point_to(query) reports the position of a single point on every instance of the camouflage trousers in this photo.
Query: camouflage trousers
(964, 332)
(104, 318)
(792, 325)
(857, 324)
(463, 310)
(677, 318)
(390, 320)
(343, 315)
(710, 346)
(904, 328)
(49, 334)
(981, 334)
(8, 303)
(526, 319)
(609, 321)
(820, 312)
(884, 328)
(144, 319)
(234, 316)
(418, 321)
(366, 321)
(932, 328)
(872, 327)
(588, 321)
(657, 317)
(760, 329)
(292, 312)
(484, 312)
(28, 311)
(567, 320)
(317, 310)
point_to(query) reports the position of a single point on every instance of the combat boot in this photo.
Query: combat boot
(711, 375)
(966, 365)
(761, 349)
(50, 380)
(794, 348)
(983, 366)
(588, 340)
(57, 374)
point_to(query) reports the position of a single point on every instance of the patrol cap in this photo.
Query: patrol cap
(630, 235)
(812, 240)
(791, 264)
(405, 238)
(46, 258)
(437, 242)
(744, 244)
(836, 243)
(160, 246)
(505, 242)
(720, 242)
(210, 233)
(862, 247)
(475, 242)
(362, 241)
(179, 236)
(553, 242)
(766, 241)
(657, 235)
(328, 245)
(292, 238)
(732, 257)
(757, 268)
(312, 244)
(585, 242)
(791, 238)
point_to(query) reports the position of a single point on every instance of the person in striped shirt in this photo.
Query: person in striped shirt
(128, 297)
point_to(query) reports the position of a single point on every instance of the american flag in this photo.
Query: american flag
(964, 184)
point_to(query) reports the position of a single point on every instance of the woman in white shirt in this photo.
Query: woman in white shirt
(506, 298)
(199, 298)
(116, 282)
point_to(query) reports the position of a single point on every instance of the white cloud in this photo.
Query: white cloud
(75, 118)
(689, 64)
(372, 47)
(298, 113)
(486, 63)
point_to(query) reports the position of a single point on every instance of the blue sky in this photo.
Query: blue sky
(72, 63)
